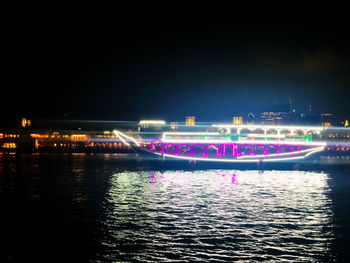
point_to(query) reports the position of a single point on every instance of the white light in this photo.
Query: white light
(188, 133)
(117, 133)
(191, 133)
(152, 122)
(120, 135)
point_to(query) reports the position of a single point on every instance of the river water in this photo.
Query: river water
(114, 208)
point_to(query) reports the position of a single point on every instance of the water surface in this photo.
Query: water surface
(108, 208)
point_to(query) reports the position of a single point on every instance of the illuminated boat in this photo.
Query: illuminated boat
(230, 143)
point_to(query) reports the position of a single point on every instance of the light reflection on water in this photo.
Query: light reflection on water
(218, 215)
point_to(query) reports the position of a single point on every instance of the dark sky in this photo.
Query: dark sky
(160, 69)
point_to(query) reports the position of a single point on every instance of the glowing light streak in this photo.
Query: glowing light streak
(236, 152)
(230, 160)
(122, 139)
(266, 135)
(320, 149)
(120, 135)
(281, 154)
(188, 133)
(152, 122)
(246, 142)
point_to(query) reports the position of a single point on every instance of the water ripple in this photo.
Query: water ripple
(219, 216)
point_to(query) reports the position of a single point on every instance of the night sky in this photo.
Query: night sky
(212, 69)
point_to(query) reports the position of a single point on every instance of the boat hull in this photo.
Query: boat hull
(297, 157)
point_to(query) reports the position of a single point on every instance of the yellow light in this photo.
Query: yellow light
(9, 145)
(237, 120)
(24, 122)
(346, 123)
(41, 136)
(190, 121)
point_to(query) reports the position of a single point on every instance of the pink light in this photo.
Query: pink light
(153, 179)
(265, 152)
(221, 148)
(298, 147)
(277, 148)
(185, 144)
(176, 149)
(217, 151)
(246, 158)
(290, 147)
(228, 144)
(251, 151)
(152, 144)
(204, 154)
(233, 178)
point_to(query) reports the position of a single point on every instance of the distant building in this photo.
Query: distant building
(190, 121)
(237, 120)
(26, 123)
(272, 117)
